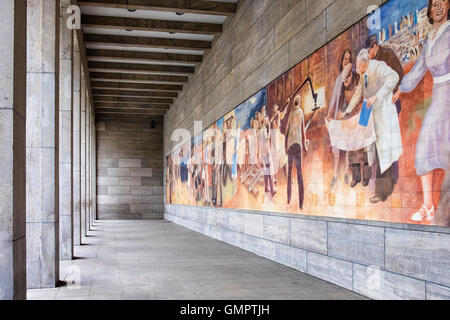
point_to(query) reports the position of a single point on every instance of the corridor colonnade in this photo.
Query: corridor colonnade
(47, 130)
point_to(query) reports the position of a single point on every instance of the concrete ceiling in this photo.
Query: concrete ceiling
(139, 61)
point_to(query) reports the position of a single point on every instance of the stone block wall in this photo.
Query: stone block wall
(375, 259)
(129, 168)
(380, 260)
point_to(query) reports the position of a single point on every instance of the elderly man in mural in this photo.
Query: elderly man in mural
(296, 142)
(376, 86)
(433, 144)
(380, 53)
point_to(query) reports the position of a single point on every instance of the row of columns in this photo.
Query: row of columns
(47, 130)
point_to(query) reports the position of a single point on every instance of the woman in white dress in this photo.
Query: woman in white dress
(433, 144)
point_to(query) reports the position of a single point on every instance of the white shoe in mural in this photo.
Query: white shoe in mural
(422, 213)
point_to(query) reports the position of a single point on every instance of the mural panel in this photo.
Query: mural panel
(360, 129)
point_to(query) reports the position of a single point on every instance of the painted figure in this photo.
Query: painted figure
(343, 91)
(218, 168)
(278, 140)
(433, 144)
(376, 86)
(296, 142)
(380, 53)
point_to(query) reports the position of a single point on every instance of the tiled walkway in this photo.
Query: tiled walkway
(160, 260)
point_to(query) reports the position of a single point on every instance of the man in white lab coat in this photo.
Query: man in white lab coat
(376, 86)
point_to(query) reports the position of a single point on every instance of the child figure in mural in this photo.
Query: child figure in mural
(433, 144)
(376, 86)
(296, 142)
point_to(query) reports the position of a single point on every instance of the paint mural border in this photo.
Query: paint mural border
(374, 223)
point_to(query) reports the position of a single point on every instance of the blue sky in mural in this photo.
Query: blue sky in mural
(219, 124)
(395, 10)
(245, 111)
(198, 140)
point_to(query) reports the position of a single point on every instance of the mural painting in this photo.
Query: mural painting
(360, 129)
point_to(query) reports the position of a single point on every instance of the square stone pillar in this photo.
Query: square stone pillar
(83, 155)
(13, 15)
(42, 178)
(88, 171)
(65, 136)
(88, 123)
(76, 139)
(93, 170)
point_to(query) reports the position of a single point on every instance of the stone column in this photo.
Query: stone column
(65, 137)
(13, 15)
(94, 172)
(76, 158)
(42, 180)
(88, 142)
(83, 155)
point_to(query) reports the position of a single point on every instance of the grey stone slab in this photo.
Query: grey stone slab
(244, 241)
(264, 248)
(118, 190)
(282, 254)
(223, 218)
(107, 181)
(298, 259)
(130, 163)
(142, 190)
(118, 172)
(436, 292)
(141, 172)
(236, 221)
(254, 225)
(378, 284)
(338, 13)
(107, 163)
(308, 40)
(151, 181)
(309, 235)
(334, 270)
(421, 255)
(42, 255)
(65, 237)
(361, 244)
(276, 229)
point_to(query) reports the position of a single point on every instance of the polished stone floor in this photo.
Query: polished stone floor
(131, 259)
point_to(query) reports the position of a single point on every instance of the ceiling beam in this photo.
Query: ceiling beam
(137, 77)
(127, 106)
(133, 93)
(130, 112)
(146, 42)
(158, 68)
(157, 101)
(192, 6)
(136, 86)
(149, 56)
(121, 23)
